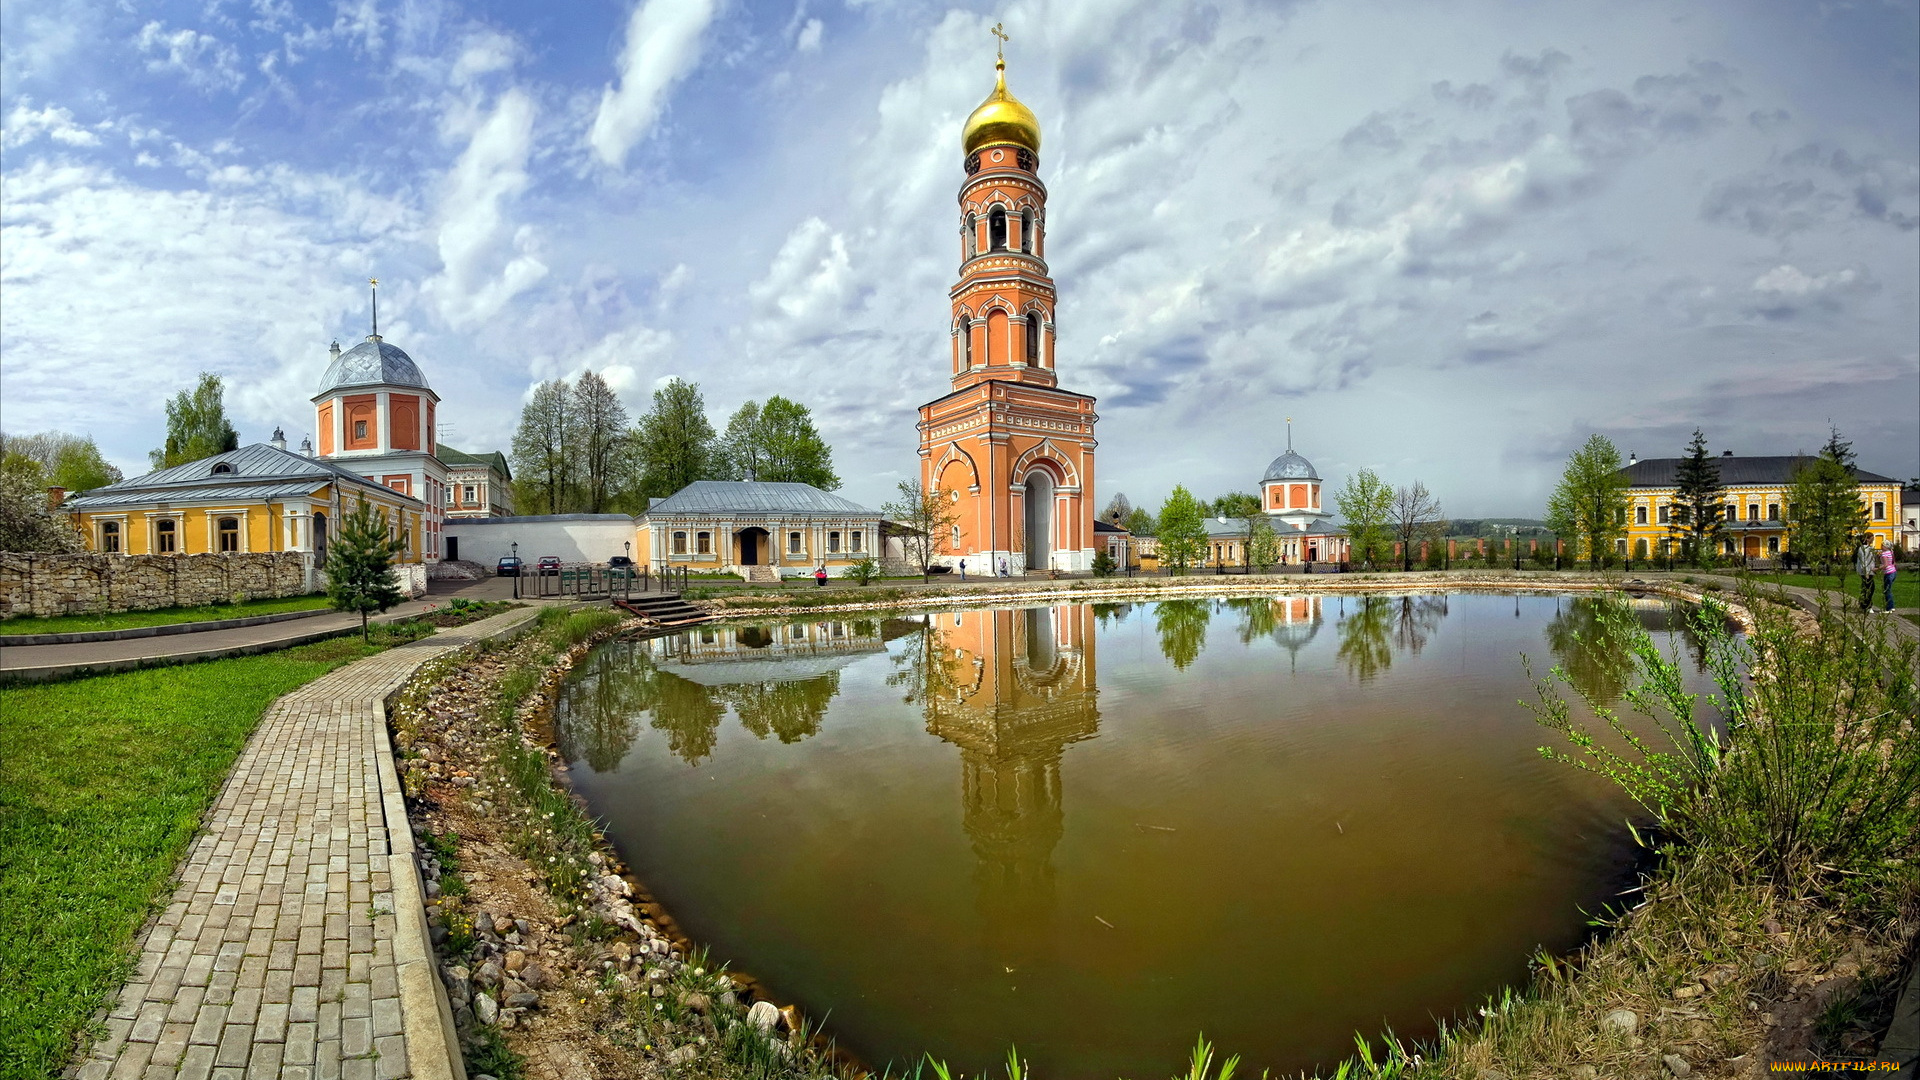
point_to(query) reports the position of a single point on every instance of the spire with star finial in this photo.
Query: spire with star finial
(373, 286)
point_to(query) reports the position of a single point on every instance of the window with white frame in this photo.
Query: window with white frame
(468, 494)
(704, 543)
(793, 543)
(679, 543)
(166, 536)
(229, 531)
(833, 542)
(110, 537)
(855, 540)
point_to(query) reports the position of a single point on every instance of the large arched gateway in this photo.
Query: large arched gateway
(1039, 519)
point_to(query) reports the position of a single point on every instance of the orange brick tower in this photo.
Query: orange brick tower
(1012, 450)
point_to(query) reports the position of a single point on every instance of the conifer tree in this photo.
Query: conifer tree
(360, 564)
(1695, 512)
(1825, 516)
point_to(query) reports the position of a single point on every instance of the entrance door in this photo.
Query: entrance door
(319, 534)
(1039, 523)
(753, 546)
(453, 549)
(1752, 547)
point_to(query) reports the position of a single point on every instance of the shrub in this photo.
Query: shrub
(1103, 564)
(864, 571)
(1815, 782)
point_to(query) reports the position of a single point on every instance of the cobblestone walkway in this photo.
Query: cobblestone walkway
(277, 956)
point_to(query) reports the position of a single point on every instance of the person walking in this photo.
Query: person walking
(1887, 571)
(1003, 568)
(963, 569)
(1866, 563)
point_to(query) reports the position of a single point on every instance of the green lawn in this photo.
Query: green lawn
(102, 784)
(1906, 586)
(127, 620)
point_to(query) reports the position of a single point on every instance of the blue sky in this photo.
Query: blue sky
(1451, 240)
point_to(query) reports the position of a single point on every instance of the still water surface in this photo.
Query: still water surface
(1094, 831)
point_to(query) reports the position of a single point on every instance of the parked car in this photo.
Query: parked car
(548, 564)
(507, 567)
(620, 562)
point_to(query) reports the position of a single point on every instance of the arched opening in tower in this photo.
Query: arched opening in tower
(997, 229)
(1039, 524)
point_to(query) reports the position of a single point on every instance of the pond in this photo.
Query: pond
(1096, 831)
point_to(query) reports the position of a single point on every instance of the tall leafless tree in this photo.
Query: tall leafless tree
(1416, 515)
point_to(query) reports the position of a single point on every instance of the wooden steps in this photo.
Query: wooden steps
(664, 609)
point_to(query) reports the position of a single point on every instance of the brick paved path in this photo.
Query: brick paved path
(277, 956)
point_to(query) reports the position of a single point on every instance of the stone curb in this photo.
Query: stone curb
(163, 630)
(433, 1043)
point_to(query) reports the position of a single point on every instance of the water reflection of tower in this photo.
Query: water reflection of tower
(1017, 688)
(1296, 620)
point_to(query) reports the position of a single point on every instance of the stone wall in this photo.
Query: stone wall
(89, 584)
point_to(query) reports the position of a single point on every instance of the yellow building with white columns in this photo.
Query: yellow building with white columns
(1753, 503)
(256, 498)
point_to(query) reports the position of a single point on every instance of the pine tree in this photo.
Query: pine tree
(1183, 535)
(1825, 516)
(360, 564)
(1695, 512)
(197, 425)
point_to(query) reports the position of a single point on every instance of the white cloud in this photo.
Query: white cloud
(25, 124)
(663, 45)
(202, 59)
(485, 260)
(1793, 281)
(808, 40)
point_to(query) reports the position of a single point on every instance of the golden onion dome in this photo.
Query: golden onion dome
(1001, 119)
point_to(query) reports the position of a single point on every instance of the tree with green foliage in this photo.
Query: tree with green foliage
(929, 516)
(1245, 509)
(1140, 521)
(1695, 513)
(27, 523)
(544, 462)
(197, 425)
(1182, 530)
(70, 462)
(360, 563)
(674, 443)
(1590, 503)
(1825, 516)
(1103, 563)
(776, 443)
(1365, 505)
(1263, 546)
(600, 441)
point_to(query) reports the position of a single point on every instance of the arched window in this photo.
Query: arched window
(229, 529)
(166, 538)
(973, 234)
(966, 341)
(997, 229)
(1033, 338)
(222, 467)
(110, 537)
(1026, 231)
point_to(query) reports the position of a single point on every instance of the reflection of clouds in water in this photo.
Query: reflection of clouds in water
(777, 680)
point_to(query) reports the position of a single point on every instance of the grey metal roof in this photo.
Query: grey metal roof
(1290, 466)
(711, 498)
(251, 472)
(1734, 471)
(372, 363)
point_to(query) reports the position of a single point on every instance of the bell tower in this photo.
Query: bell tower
(1010, 448)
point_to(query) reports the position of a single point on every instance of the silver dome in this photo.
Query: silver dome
(372, 363)
(1290, 466)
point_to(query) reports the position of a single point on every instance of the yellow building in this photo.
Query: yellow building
(257, 498)
(1754, 505)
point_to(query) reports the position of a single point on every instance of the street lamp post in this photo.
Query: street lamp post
(516, 571)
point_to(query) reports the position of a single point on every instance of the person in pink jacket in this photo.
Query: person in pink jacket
(1887, 570)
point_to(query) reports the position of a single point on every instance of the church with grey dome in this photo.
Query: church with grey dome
(1290, 466)
(373, 362)
(1290, 494)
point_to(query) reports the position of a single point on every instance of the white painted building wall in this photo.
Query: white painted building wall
(575, 538)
